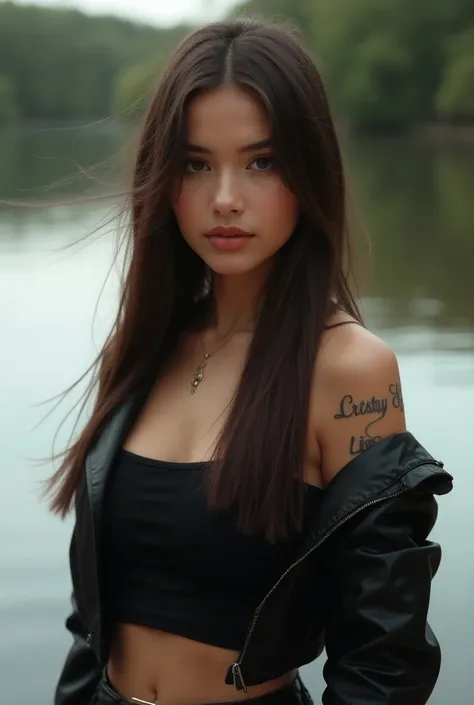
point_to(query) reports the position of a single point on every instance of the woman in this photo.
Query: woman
(246, 492)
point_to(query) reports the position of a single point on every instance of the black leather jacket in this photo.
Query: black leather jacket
(360, 586)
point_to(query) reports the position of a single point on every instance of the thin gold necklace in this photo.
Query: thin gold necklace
(198, 376)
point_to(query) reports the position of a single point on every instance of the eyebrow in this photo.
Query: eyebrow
(262, 144)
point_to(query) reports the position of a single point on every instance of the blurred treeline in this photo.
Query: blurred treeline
(388, 64)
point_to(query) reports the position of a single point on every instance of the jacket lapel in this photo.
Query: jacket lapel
(97, 467)
(102, 453)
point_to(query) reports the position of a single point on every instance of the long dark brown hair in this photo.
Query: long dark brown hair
(262, 446)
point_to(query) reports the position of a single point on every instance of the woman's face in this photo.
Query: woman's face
(231, 180)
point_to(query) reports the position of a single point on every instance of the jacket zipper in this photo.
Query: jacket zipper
(239, 682)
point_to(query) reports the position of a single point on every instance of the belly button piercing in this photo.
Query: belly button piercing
(145, 702)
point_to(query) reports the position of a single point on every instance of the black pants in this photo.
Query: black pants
(294, 693)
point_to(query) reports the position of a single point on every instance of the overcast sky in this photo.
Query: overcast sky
(162, 12)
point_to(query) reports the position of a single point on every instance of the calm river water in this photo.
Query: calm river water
(417, 203)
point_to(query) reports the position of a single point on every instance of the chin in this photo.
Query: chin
(232, 265)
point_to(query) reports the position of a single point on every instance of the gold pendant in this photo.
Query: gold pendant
(199, 374)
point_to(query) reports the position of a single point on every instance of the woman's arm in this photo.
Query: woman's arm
(379, 645)
(380, 648)
(356, 398)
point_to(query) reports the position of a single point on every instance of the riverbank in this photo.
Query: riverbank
(445, 132)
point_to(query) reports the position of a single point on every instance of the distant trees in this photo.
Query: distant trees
(135, 80)
(62, 65)
(387, 64)
(455, 96)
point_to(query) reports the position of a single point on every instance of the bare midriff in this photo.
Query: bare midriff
(167, 669)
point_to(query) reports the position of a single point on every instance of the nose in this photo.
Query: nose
(227, 196)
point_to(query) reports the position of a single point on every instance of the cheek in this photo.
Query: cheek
(185, 203)
(279, 207)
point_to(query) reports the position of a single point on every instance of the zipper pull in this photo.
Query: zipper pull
(237, 675)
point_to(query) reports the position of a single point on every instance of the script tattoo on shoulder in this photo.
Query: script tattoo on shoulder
(375, 406)
(397, 398)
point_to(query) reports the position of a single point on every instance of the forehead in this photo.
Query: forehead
(226, 118)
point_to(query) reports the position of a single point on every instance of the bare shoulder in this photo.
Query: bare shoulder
(356, 397)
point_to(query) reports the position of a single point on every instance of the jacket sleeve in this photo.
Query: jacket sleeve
(81, 672)
(380, 647)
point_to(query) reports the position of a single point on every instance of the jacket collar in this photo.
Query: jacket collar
(103, 450)
(395, 464)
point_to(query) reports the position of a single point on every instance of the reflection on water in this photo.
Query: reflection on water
(417, 202)
(417, 205)
(415, 197)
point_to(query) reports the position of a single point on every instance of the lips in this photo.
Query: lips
(228, 239)
(228, 232)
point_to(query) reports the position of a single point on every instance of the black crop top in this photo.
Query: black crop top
(172, 563)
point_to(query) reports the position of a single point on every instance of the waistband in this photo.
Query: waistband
(294, 693)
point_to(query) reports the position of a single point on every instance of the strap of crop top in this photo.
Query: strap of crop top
(342, 323)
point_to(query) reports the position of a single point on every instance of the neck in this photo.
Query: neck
(236, 301)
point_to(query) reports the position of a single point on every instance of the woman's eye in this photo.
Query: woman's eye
(264, 163)
(194, 166)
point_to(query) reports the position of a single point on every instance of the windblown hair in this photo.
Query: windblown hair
(262, 446)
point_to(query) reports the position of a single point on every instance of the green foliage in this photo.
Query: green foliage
(135, 82)
(386, 63)
(383, 60)
(455, 97)
(133, 89)
(64, 65)
(377, 91)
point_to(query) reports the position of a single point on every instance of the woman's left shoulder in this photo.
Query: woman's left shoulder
(356, 396)
(351, 347)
